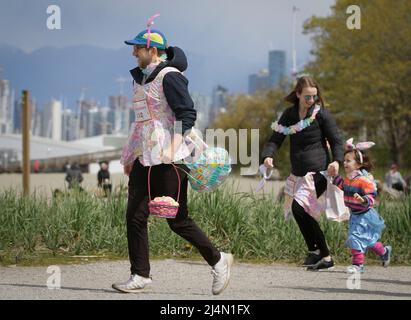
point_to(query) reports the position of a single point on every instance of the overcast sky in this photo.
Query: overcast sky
(217, 27)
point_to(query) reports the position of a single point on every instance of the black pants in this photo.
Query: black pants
(398, 186)
(164, 182)
(312, 233)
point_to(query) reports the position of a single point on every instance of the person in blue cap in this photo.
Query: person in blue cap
(161, 99)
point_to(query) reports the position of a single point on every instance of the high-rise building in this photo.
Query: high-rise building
(220, 95)
(37, 122)
(85, 106)
(259, 81)
(52, 116)
(202, 104)
(93, 119)
(276, 67)
(220, 102)
(119, 115)
(33, 113)
(17, 113)
(6, 114)
(105, 125)
(70, 125)
(252, 83)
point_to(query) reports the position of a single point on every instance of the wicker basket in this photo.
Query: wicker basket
(159, 207)
(210, 170)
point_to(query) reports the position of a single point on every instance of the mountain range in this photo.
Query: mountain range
(61, 73)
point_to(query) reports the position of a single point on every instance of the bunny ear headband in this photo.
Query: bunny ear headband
(349, 145)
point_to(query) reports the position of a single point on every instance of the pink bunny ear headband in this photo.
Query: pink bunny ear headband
(150, 22)
(349, 145)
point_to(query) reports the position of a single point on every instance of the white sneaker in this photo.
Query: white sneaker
(221, 273)
(355, 269)
(135, 284)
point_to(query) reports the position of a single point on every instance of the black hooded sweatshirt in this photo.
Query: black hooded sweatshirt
(175, 86)
(308, 148)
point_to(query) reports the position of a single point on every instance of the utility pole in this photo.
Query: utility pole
(26, 143)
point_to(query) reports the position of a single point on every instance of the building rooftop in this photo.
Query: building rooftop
(44, 148)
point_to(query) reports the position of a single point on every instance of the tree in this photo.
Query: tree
(256, 111)
(366, 73)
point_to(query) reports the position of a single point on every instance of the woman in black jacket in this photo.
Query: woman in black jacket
(310, 126)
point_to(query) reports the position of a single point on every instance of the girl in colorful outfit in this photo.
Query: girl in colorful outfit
(161, 98)
(359, 196)
(309, 126)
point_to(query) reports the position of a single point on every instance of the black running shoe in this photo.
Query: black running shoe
(311, 259)
(322, 265)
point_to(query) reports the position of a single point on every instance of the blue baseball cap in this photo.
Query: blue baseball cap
(157, 39)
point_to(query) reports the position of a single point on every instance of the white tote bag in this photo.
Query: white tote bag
(335, 208)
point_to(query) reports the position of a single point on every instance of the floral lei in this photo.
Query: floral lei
(299, 126)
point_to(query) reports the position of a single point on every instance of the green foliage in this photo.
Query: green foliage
(365, 73)
(74, 222)
(252, 227)
(257, 112)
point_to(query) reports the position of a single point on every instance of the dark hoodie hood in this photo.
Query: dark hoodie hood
(175, 58)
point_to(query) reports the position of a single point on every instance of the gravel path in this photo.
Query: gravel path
(191, 280)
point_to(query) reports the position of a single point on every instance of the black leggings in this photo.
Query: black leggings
(309, 227)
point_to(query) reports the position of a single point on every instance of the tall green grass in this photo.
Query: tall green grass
(252, 227)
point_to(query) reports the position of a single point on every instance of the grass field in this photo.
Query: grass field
(251, 226)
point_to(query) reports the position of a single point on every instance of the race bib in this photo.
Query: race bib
(141, 111)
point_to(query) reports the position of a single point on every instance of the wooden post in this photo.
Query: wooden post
(26, 143)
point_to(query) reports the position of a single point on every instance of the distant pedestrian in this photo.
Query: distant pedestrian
(103, 179)
(36, 166)
(74, 176)
(66, 167)
(394, 179)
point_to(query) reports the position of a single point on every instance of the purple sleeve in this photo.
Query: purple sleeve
(339, 182)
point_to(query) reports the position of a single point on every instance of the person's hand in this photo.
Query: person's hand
(358, 197)
(268, 162)
(333, 168)
(127, 169)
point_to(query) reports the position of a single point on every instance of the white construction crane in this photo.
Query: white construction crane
(294, 51)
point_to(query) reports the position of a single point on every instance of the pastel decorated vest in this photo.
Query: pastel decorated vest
(153, 128)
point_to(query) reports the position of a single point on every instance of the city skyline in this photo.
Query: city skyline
(88, 117)
(214, 42)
